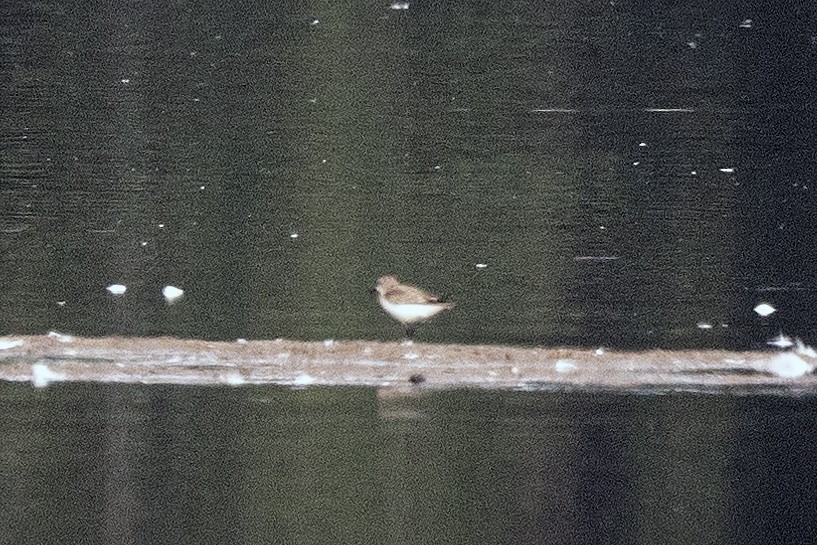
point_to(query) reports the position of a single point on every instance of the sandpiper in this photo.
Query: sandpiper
(407, 304)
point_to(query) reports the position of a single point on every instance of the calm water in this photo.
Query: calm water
(147, 464)
(174, 143)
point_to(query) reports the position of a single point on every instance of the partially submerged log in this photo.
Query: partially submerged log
(53, 358)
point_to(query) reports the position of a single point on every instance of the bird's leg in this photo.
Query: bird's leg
(409, 332)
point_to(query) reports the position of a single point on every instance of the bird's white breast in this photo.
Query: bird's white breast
(409, 313)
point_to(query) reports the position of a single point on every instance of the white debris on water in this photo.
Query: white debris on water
(60, 337)
(294, 235)
(172, 294)
(42, 376)
(564, 366)
(61, 303)
(125, 81)
(314, 22)
(704, 325)
(803, 349)
(788, 365)
(6, 344)
(746, 23)
(117, 289)
(727, 170)
(599, 351)
(329, 342)
(303, 380)
(781, 341)
(765, 309)
(241, 341)
(642, 145)
(235, 380)
(482, 265)
(399, 5)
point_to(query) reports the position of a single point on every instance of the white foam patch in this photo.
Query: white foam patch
(172, 294)
(6, 344)
(235, 380)
(789, 365)
(804, 350)
(303, 379)
(781, 341)
(564, 366)
(42, 376)
(765, 309)
(117, 289)
(60, 337)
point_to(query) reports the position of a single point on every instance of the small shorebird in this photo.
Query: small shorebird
(407, 304)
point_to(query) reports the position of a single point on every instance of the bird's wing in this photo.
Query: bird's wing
(410, 295)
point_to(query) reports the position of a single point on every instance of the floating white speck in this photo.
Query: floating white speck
(161, 226)
(788, 365)
(399, 5)
(765, 309)
(482, 265)
(642, 145)
(172, 293)
(303, 380)
(781, 341)
(294, 235)
(329, 342)
(60, 337)
(5, 344)
(694, 173)
(636, 163)
(564, 366)
(60, 303)
(241, 341)
(41, 375)
(746, 23)
(143, 243)
(125, 81)
(804, 350)
(411, 356)
(201, 188)
(600, 351)
(727, 170)
(117, 289)
(315, 22)
(704, 325)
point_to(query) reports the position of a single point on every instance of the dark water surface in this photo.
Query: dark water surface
(150, 464)
(626, 170)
